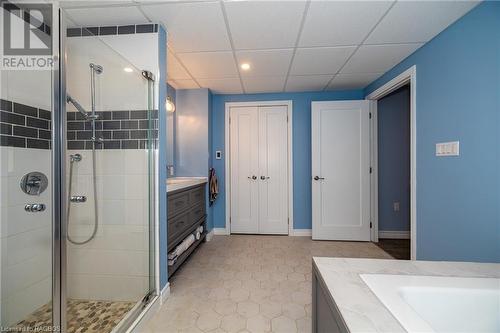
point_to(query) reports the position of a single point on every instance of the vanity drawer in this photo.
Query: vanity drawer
(178, 224)
(197, 213)
(178, 202)
(197, 196)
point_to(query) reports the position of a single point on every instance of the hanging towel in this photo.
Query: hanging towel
(213, 186)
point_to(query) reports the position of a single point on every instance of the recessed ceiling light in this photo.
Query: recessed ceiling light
(245, 66)
(128, 69)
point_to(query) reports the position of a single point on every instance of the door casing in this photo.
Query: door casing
(407, 76)
(227, 160)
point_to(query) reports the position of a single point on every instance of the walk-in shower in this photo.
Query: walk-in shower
(92, 117)
(77, 179)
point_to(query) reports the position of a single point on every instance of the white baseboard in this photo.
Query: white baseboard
(394, 234)
(165, 293)
(302, 232)
(220, 231)
(210, 235)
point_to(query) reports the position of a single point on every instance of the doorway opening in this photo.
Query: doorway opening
(393, 145)
(393, 179)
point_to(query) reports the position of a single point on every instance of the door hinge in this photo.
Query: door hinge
(371, 170)
(371, 226)
(370, 115)
(286, 118)
(230, 120)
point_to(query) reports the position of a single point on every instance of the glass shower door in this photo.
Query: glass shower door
(26, 205)
(110, 156)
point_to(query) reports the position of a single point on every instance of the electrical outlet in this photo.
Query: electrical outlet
(395, 205)
(218, 155)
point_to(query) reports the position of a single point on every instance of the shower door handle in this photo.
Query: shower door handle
(78, 198)
(34, 208)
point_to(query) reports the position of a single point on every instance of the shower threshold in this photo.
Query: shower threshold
(87, 316)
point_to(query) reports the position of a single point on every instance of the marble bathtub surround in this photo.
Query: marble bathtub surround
(361, 309)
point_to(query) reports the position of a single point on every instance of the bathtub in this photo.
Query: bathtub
(439, 304)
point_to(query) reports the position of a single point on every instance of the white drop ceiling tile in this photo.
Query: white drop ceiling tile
(265, 62)
(175, 69)
(222, 86)
(352, 81)
(106, 16)
(307, 83)
(209, 65)
(263, 84)
(378, 58)
(418, 21)
(320, 60)
(264, 24)
(191, 27)
(334, 23)
(184, 84)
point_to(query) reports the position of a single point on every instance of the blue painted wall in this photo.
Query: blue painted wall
(162, 154)
(458, 98)
(394, 160)
(301, 137)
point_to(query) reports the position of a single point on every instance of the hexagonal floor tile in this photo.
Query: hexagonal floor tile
(294, 311)
(233, 323)
(247, 308)
(283, 324)
(225, 307)
(258, 324)
(239, 294)
(208, 321)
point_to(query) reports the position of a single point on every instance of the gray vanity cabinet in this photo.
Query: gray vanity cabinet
(186, 211)
(326, 317)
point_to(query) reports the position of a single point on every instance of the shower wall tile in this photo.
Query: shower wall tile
(26, 239)
(122, 129)
(114, 265)
(24, 126)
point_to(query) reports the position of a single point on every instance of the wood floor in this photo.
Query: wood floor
(398, 248)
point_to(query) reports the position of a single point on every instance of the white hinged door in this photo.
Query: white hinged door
(340, 170)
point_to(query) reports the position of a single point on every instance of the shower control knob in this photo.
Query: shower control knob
(34, 208)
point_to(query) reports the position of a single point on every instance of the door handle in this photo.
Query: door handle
(34, 208)
(318, 178)
(253, 177)
(264, 177)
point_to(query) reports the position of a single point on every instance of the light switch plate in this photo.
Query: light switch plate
(448, 148)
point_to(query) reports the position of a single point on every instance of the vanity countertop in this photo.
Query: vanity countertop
(360, 308)
(178, 183)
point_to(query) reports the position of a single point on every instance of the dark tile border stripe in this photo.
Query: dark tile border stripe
(25, 126)
(112, 30)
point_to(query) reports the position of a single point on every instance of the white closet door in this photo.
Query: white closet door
(273, 170)
(244, 169)
(340, 170)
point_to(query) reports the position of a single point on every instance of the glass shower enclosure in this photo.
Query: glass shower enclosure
(77, 203)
